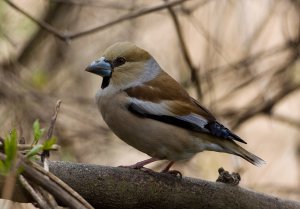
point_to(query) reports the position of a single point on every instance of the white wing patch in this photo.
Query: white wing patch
(162, 109)
(152, 108)
(194, 118)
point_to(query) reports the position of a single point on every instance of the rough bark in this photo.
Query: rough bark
(110, 187)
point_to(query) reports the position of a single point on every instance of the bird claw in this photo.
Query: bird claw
(174, 173)
(140, 166)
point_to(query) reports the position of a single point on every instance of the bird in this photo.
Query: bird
(150, 111)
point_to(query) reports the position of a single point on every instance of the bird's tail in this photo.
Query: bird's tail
(236, 149)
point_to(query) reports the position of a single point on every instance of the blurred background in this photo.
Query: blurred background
(240, 58)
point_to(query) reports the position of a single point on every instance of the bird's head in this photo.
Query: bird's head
(122, 64)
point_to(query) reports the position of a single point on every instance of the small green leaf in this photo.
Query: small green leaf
(34, 150)
(48, 144)
(37, 132)
(10, 150)
(10, 146)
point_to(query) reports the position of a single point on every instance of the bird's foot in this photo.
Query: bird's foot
(174, 173)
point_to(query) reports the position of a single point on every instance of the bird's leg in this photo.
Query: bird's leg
(141, 164)
(167, 168)
(172, 172)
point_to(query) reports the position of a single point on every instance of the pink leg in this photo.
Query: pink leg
(141, 164)
(172, 172)
(167, 168)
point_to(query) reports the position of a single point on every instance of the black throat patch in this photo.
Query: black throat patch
(105, 82)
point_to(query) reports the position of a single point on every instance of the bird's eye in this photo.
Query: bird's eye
(119, 61)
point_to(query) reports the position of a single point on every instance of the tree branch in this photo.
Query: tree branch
(194, 72)
(108, 187)
(75, 35)
(129, 16)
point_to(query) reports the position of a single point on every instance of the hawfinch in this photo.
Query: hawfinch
(149, 110)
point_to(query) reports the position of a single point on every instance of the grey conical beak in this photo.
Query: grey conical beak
(100, 67)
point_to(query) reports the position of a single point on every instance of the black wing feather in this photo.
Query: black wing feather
(213, 128)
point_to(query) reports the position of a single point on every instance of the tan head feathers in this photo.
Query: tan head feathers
(128, 50)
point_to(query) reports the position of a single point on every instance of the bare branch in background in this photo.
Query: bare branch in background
(285, 119)
(259, 106)
(95, 3)
(248, 60)
(72, 36)
(193, 70)
(265, 75)
(132, 15)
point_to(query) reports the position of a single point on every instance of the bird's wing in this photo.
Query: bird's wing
(164, 113)
(179, 109)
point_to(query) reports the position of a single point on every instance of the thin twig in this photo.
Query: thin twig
(51, 183)
(286, 119)
(48, 197)
(35, 195)
(46, 153)
(260, 106)
(96, 3)
(62, 184)
(25, 147)
(53, 187)
(53, 120)
(194, 72)
(248, 60)
(261, 75)
(123, 18)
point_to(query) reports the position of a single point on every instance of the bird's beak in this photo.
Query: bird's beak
(100, 67)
